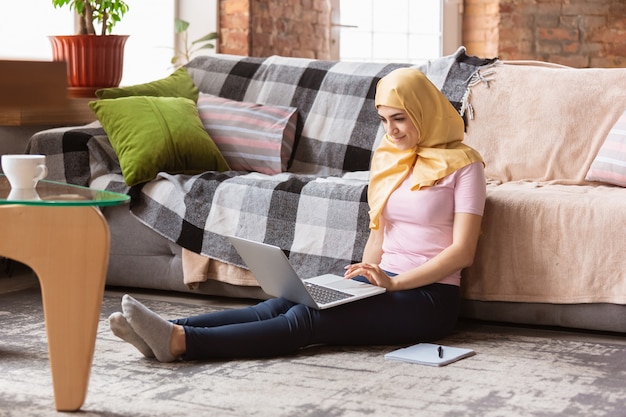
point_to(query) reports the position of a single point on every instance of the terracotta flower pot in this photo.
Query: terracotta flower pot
(93, 62)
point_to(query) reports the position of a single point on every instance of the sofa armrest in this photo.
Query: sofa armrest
(76, 155)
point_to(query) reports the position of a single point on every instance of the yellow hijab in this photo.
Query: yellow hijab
(439, 151)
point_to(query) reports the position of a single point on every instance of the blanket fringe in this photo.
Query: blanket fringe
(482, 75)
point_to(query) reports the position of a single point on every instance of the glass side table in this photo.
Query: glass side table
(59, 232)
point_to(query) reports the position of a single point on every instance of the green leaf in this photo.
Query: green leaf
(211, 36)
(180, 25)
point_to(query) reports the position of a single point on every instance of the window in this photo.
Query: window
(149, 23)
(397, 30)
(149, 48)
(26, 26)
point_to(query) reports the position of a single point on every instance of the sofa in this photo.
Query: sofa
(552, 246)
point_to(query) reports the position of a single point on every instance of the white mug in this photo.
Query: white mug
(23, 171)
(23, 194)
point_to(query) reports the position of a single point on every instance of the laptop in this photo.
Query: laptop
(276, 276)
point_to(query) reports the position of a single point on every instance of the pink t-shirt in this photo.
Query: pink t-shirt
(418, 224)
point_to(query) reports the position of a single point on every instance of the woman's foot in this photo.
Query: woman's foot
(120, 328)
(152, 328)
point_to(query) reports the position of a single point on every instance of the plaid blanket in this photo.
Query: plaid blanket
(321, 223)
(316, 212)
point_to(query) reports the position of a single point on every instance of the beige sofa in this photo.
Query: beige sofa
(553, 246)
(553, 249)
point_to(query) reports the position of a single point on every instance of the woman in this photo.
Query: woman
(426, 196)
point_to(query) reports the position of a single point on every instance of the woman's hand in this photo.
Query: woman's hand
(372, 273)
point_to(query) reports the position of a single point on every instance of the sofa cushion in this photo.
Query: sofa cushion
(538, 122)
(153, 134)
(250, 136)
(178, 84)
(610, 164)
(550, 243)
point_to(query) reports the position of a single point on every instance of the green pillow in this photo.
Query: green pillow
(178, 84)
(154, 134)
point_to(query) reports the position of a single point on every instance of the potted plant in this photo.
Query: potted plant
(94, 60)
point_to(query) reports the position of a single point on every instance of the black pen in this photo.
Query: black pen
(440, 351)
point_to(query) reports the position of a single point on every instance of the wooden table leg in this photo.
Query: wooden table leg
(68, 249)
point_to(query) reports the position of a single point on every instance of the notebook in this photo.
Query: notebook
(276, 276)
(430, 354)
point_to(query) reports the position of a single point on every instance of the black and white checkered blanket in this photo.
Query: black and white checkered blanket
(316, 212)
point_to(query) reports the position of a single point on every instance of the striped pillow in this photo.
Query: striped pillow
(251, 137)
(610, 164)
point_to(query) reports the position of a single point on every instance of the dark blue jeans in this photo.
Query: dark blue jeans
(278, 327)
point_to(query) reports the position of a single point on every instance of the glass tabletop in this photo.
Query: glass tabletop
(51, 193)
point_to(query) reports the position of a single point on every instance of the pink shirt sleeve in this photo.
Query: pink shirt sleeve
(418, 224)
(471, 189)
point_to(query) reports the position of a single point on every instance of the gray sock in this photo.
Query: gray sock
(120, 328)
(152, 328)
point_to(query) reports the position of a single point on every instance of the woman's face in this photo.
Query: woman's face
(399, 127)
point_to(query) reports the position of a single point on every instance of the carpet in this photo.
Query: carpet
(516, 372)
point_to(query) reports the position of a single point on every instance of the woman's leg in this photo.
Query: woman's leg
(423, 314)
(163, 339)
(262, 311)
(279, 335)
(419, 315)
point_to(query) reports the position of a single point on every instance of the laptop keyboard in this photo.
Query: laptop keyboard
(325, 295)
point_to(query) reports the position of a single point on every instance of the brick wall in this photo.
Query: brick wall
(480, 27)
(297, 28)
(577, 33)
(234, 27)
